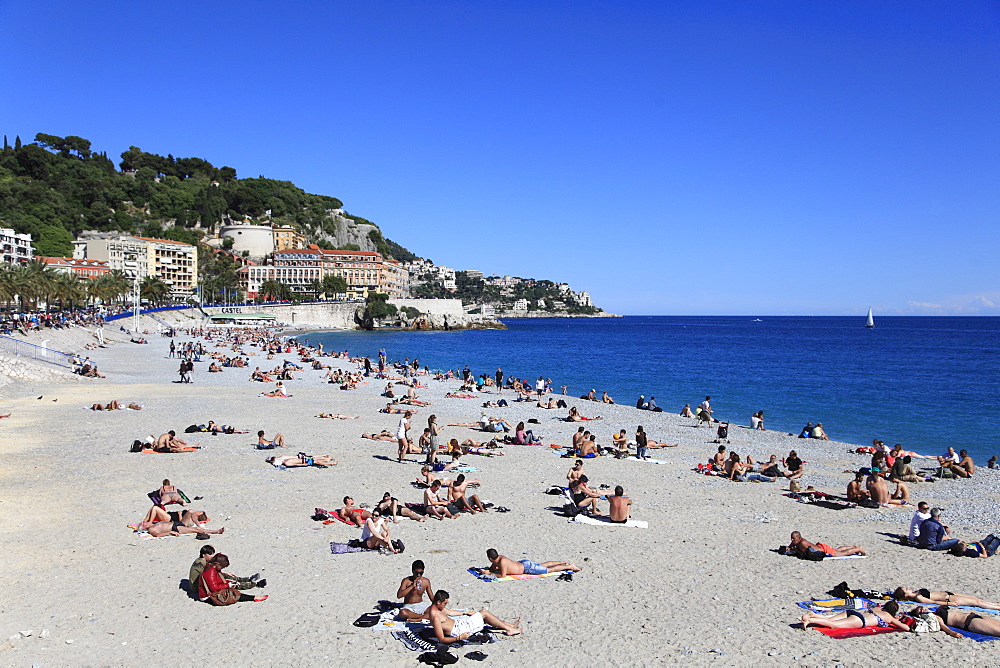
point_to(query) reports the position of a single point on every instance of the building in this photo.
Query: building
(583, 298)
(394, 279)
(173, 262)
(85, 269)
(17, 248)
(255, 240)
(473, 275)
(287, 237)
(360, 269)
(520, 305)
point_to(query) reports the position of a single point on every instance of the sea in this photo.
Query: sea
(925, 382)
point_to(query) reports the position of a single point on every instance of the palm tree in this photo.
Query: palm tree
(153, 289)
(273, 290)
(67, 287)
(8, 289)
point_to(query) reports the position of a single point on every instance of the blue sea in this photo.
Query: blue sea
(926, 382)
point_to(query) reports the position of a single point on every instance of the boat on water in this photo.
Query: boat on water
(870, 322)
(757, 320)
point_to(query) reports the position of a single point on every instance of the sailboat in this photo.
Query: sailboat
(870, 322)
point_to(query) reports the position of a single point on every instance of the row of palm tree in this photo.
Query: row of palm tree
(36, 283)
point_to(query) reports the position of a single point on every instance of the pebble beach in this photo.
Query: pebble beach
(702, 584)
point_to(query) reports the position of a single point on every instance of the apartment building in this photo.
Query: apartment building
(287, 237)
(17, 248)
(173, 262)
(85, 269)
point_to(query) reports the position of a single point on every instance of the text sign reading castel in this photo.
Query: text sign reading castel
(232, 309)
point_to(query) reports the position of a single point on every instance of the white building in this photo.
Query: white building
(16, 247)
(520, 305)
(257, 240)
(173, 262)
(583, 298)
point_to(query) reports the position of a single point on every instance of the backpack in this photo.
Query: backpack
(136, 446)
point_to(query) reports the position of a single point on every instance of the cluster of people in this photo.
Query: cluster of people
(208, 580)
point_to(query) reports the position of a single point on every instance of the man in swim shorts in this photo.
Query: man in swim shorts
(412, 590)
(457, 625)
(502, 566)
(801, 546)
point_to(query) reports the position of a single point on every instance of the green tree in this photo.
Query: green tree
(333, 285)
(272, 290)
(54, 241)
(153, 289)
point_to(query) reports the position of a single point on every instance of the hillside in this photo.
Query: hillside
(56, 187)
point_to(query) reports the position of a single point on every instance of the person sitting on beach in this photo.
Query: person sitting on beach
(204, 556)
(388, 392)
(878, 490)
(384, 435)
(574, 415)
(740, 472)
(856, 489)
(794, 465)
(550, 404)
(605, 399)
(457, 625)
(434, 506)
(168, 494)
(575, 471)
(879, 616)
(493, 424)
(113, 405)
(264, 444)
(801, 546)
(301, 460)
(583, 496)
(412, 590)
(588, 447)
(212, 580)
(459, 498)
(942, 598)
(992, 462)
(375, 534)
(390, 506)
(718, 460)
(338, 416)
(502, 566)
(965, 468)
(903, 470)
(806, 430)
(900, 495)
(818, 433)
(934, 535)
(214, 368)
(620, 506)
(170, 443)
(525, 437)
(278, 391)
(772, 468)
(686, 411)
(620, 443)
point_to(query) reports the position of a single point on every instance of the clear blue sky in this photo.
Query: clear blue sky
(671, 158)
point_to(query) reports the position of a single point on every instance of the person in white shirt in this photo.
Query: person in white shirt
(401, 429)
(923, 513)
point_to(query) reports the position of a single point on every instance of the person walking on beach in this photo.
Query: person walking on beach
(401, 429)
(173, 350)
(499, 379)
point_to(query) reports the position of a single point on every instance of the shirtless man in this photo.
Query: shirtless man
(170, 443)
(856, 490)
(457, 494)
(718, 461)
(620, 442)
(338, 416)
(502, 566)
(384, 435)
(434, 505)
(575, 472)
(965, 468)
(686, 411)
(412, 590)
(587, 446)
(879, 491)
(159, 523)
(621, 506)
(577, 438)
(264, 444)
(801, 546)
(457, 625)
(352, 514)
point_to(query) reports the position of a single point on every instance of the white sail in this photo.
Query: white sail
(871, 321)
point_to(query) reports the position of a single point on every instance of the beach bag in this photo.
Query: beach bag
(136, 446)
(226, 596)
(794, 486)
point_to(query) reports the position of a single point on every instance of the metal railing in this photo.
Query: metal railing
(35, 352)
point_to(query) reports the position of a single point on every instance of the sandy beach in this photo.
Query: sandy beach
(702, 584)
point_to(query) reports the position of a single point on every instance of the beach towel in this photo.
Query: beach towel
(840, 634)
(648, 461)
(347, 548)
(423, 639)
(149, 450)
(838, 604)
(511, 578)
(604, 521)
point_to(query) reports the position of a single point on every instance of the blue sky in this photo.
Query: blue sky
(670, 158)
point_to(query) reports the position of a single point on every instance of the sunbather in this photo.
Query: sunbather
(169, 494)
(883, 616)
(383, 435)
(338, 416)
(376, 535)
(802, 546)
(351, 514)
(434, 506)
(987, 625)
(170, 443)
(942, 598)
(263, 443)
(463, 501)
(412, 590)
(391, 507)
(301, 460)
(502, 566)
(457, 625)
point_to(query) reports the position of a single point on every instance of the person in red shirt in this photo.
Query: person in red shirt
(211, 580)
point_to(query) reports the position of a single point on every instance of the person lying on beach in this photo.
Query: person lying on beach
(574, 416)
(338, 416)
(942, 598)
(883, 615)
(384, 435)
(224, 429)
(390, 506)
(352, 514)
(278, 391)
(983, 549)
(463, 501)
(169, 494)
(433, 504)
(162, 528)
(213, 581)
(470, 447)
(801, 547)
(951, 619)
(389, 408)
(264, 444)
(550, 404)
(406, 401)
(113, 405)
(620, 506)
(412, 590)
(170, 443)
(301, 460)
(457, 625)
(502, 566)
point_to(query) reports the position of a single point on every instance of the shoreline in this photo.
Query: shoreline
(707, 537)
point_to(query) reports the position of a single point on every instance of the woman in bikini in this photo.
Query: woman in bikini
(986, 625)
(168, 494)
(941, 598)
(882, 616)
(391, 507)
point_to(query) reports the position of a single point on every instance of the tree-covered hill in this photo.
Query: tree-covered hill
(56, 187)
